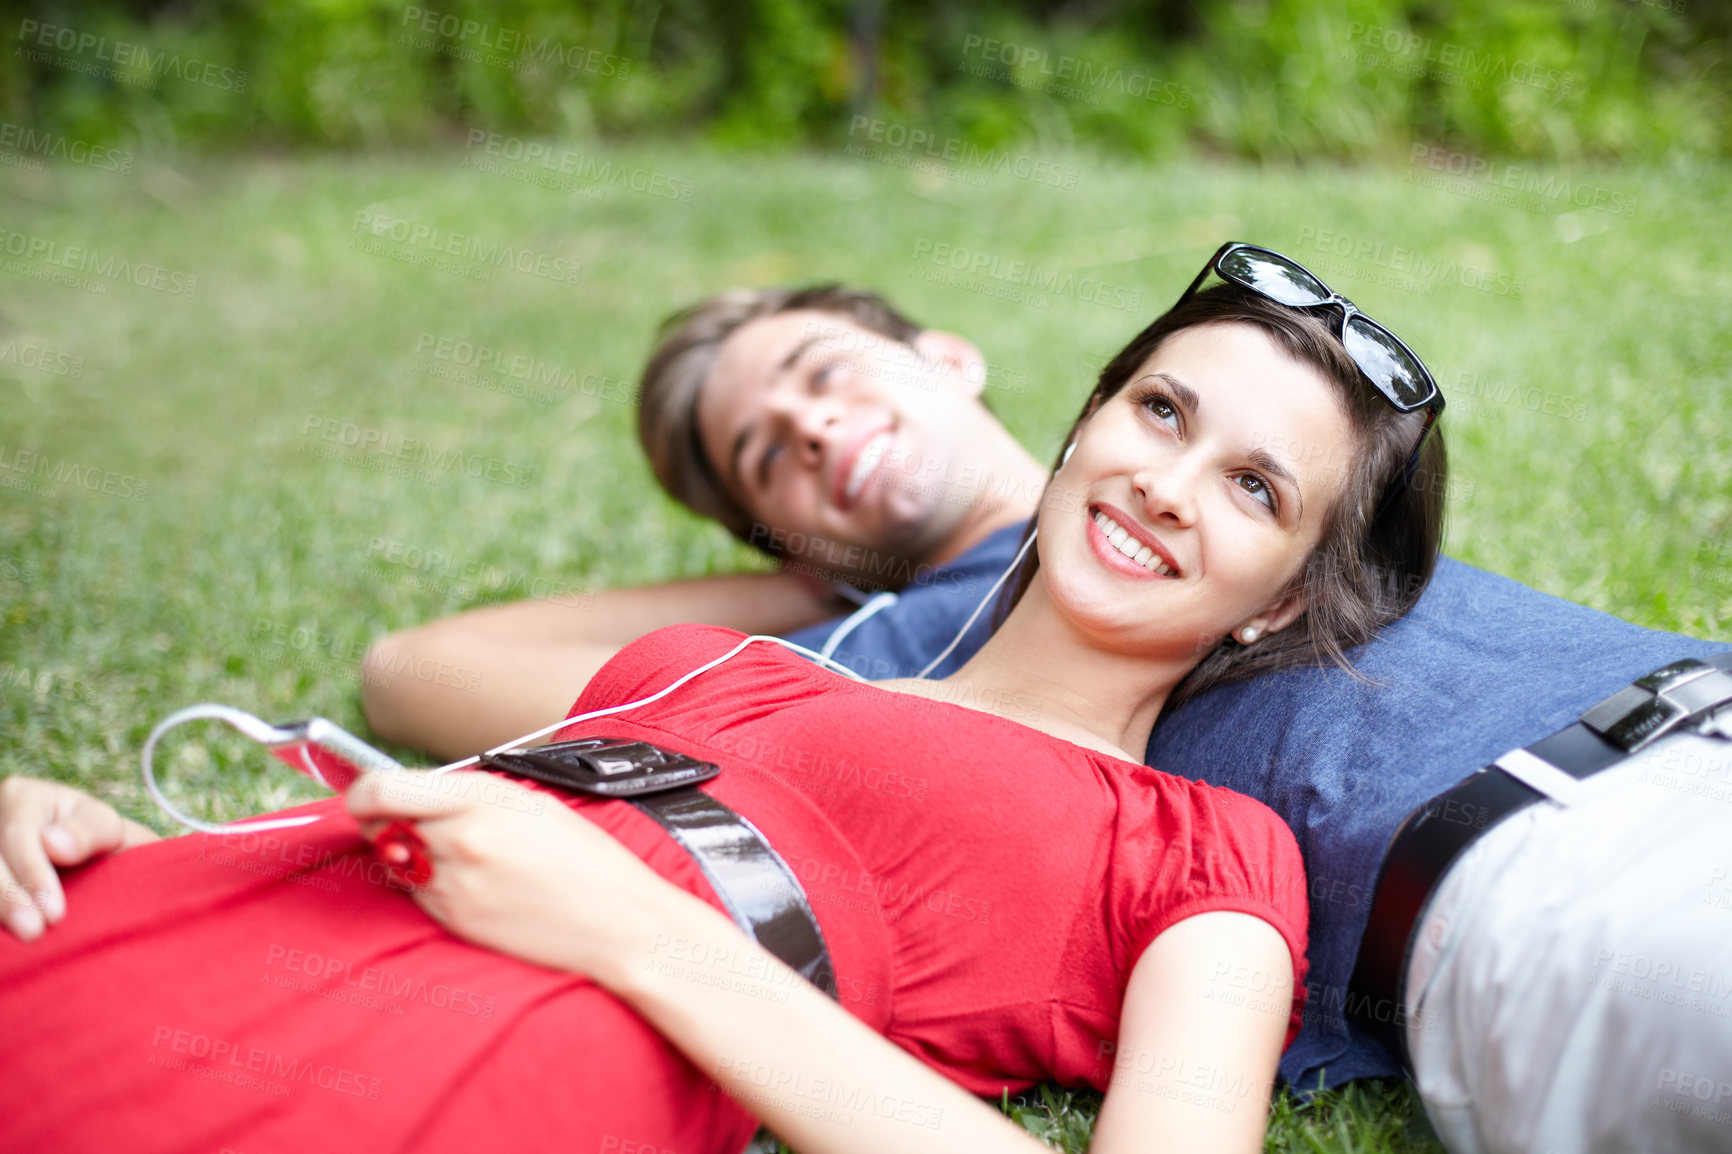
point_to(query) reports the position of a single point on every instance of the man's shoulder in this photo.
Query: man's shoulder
(896, 635)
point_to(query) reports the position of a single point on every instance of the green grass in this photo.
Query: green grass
(253, 572)
(1365, 1117)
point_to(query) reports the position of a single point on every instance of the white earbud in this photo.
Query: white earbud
(1068, 450)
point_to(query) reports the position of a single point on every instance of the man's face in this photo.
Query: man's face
(820, 427)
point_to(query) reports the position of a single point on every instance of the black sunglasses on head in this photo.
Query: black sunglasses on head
(1384, 360)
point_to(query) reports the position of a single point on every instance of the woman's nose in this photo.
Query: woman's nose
(1168, 490)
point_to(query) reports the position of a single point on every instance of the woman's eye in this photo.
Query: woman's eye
(1258, 488)
(1161, 407)
(821, 378)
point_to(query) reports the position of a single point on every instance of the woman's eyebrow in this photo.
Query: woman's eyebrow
(1184, 394)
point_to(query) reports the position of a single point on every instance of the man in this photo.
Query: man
(820, 426)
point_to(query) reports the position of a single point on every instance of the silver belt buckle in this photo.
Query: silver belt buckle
(1659, 703)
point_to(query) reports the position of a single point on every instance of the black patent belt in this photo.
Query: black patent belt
(756, 886)
(1429, 840)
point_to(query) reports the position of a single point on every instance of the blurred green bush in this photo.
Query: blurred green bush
(1549, 79)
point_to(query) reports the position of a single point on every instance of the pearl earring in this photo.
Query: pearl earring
(1248, 634)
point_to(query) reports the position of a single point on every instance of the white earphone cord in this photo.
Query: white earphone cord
(823, 658)
(246, 723)
(969, 624)
(1008, 570)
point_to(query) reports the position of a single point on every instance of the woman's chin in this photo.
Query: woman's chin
(1116, 621)
(1145, 624)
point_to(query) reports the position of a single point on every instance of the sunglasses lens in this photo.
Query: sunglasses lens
(1276, 278)
(1391, 368)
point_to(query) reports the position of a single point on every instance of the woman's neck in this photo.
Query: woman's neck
(1037, 670)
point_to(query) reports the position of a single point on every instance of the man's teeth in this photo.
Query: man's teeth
(1130, 546)
(865, 463)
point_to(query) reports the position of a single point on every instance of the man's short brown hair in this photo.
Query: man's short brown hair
(686, 349)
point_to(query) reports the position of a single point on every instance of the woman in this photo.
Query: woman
(1005, 893)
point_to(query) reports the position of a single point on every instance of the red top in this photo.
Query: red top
(985, 887)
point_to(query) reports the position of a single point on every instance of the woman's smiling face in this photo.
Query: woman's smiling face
(1215, 468)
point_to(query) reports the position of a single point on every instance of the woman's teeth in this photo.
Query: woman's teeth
(1130, 546)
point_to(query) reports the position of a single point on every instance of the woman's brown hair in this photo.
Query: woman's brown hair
(1380, 540)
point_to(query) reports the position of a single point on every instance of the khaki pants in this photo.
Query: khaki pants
(1571, 984)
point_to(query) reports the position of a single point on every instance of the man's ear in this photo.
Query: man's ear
(961, 364)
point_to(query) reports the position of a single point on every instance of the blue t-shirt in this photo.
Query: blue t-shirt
(1480, 666)
(898, 640)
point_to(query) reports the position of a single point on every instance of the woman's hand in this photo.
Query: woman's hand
(517, 871)
(44, 824)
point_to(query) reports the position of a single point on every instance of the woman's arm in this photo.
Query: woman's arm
(523, 874)
(468, 682)
(1204, 1018)
(825, 1082)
